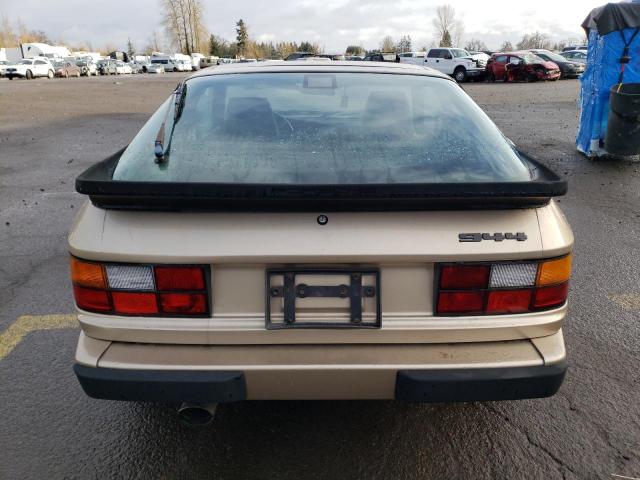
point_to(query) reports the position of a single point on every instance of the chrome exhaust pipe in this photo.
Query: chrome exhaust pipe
(197, 413)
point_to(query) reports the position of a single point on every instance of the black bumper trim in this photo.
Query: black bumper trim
(161, 385)
(475, 385)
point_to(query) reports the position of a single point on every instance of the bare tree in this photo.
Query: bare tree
(449, 29)
(534, 40)
(183, 22)
(458, 33)
(7, 35)
(387, 44)
(506, 47)
(475, 45)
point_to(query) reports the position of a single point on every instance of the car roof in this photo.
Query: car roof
(516, 53)
(282, 66)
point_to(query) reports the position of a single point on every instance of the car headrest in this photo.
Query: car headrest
(250, 116)
(387, 111)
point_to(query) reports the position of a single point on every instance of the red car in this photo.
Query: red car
(520, 66)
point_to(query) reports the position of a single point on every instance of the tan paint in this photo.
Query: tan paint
(240, 246)
(324, 371)
(276, 238)
(238, 329)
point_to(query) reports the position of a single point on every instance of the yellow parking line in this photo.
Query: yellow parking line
(627, 301)
(26, 324)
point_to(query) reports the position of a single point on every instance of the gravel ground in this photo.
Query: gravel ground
(51, 130)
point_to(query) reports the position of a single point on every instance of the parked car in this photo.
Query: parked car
(66, 69)
(571, 48)
(3, 67)
(404, 56)
(482, 57)
(30, 68)
(87, 66)
(579, 56)
(141, 65)
(568, 68)
(269, 253)
(455, 62)
(520, 66)
(299, 55)
(123, 68)
(155, 68)
(135, 67)
(107, 67)
(210, 61)
(381, 57)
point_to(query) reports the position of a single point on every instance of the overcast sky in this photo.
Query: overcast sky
(333, 24)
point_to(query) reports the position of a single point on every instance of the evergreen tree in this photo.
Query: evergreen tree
(130, 51)
(445, 41)
(242, 37)
(354, 50)
(405, 44)
(214, 46)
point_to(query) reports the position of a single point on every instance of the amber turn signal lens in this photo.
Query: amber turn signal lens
(87, 274)
(554, 271)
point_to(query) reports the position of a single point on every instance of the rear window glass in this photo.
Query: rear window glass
(322, 128)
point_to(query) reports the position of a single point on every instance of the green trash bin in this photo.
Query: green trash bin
(623, 128)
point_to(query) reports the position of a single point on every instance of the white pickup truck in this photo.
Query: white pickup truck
(456, 62)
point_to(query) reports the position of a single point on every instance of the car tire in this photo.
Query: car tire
(29, 75)
(175, 69)
(460, 74)
(10, 77)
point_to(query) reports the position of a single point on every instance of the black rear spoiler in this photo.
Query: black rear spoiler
(104, 192)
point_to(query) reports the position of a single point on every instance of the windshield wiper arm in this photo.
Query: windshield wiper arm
(160, 151)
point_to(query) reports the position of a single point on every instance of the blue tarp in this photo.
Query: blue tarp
(602, 72)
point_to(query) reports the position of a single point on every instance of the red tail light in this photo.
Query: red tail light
(179, 278)
(464, 276)
(549, 297)
(502, 288)
(185, 303)
(140, 290)
(92, 300)
(458, 302)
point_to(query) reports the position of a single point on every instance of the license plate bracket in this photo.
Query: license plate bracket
(362, 287)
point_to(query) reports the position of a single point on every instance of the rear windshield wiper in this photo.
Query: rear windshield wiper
(179, 97)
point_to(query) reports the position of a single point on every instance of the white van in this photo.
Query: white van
(167, 61)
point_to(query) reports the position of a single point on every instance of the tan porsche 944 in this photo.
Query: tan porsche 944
(320, 230)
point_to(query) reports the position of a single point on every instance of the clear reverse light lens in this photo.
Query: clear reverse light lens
(130, 277)
(513, 275)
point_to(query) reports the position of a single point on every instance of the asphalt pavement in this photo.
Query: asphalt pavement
(51, 130)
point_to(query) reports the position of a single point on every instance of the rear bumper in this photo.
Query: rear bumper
(484, 384)
(161, 386)
(424, 373)
(479, 385)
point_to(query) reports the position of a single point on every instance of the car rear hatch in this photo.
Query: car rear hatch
(390, 258)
